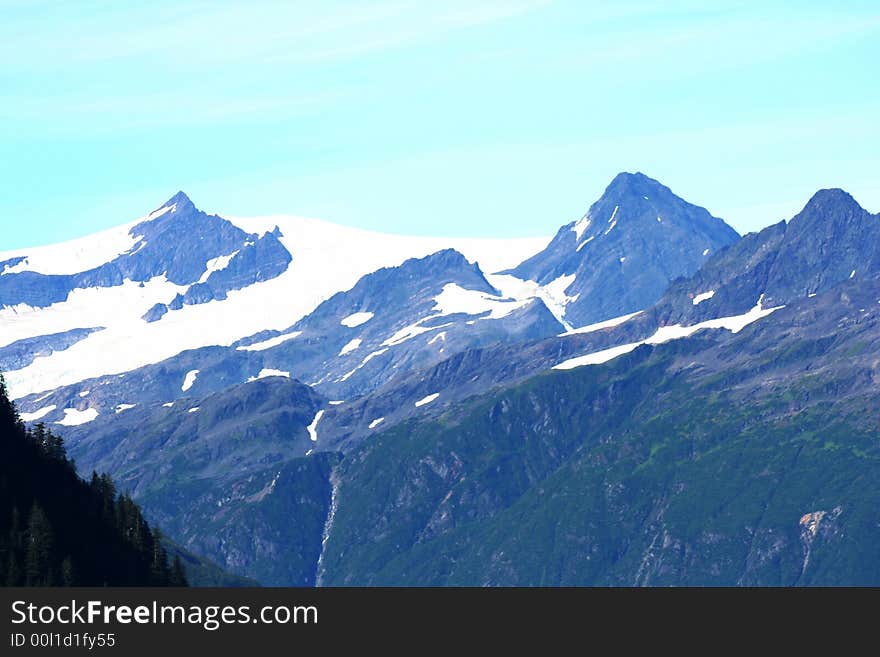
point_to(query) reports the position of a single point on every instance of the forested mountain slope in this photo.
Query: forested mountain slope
(58, 530)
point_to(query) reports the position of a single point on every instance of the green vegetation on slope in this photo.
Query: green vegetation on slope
(634, 473)
(266, 524)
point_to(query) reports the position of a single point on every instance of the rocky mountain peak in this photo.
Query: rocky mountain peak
(627, 184)
(830, 242)
(181, 202)
(634, 240)
(829, 204)
(640, 199)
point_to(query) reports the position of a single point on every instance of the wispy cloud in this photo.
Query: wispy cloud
(207, 62)
(743, 37)
(196, 34)
(159, 110)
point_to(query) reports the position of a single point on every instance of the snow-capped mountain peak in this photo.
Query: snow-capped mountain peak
(632, 242)
(178, 278)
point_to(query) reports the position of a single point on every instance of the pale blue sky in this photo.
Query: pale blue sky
(461, 117)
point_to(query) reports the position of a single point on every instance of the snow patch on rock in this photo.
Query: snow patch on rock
(271, 342)
(217, 264)
(580, 226)
(552, 294)
(267, 372)
(350, 346)
(356, 319)
(74, 418)
(189, 380)
(428, 399)
(313, 427)
(36, 415)
(598, 326)
(734, 324)
(455, 299)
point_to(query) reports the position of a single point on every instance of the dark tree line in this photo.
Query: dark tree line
(58, 530)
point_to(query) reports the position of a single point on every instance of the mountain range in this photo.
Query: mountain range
(646, 398)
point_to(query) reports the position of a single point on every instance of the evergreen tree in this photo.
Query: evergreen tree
(107, 491)
(40, 544)
(55, 449)
(178, 573)
(13, 570)
(38, 435)
(12, 575)
(159, 565)
(68, 574)
(15, 529)
(8, 414)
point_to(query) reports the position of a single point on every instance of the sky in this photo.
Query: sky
(454, 118)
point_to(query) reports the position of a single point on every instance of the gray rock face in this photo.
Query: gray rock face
(33, 289)
(224, 474)
(832, 240)
(22, 353)
(176, 302)
(11, 263)
(406, 329)
(260, 259)
(624, 252)
(156, 313)
(198, 293)
(179, 243)
(245, 427)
